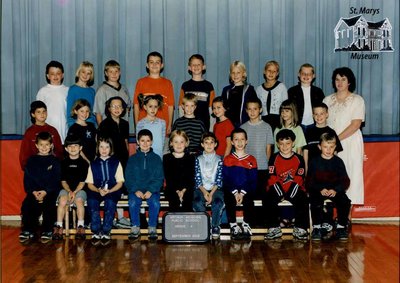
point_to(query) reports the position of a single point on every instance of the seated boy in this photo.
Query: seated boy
(42, 179)
(73, 175)
(144, 176)
(327, 179)
(208, 178)
(286, 170)
(240, 182)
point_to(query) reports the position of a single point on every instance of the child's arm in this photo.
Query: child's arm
(305, 156)
(170, 118)
(228, 146)
(268, 151)
(99, 118)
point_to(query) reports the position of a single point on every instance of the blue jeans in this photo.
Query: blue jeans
(134, 209)
(110, 205)
(217, 205)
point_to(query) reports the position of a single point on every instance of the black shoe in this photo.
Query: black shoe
(246, 234)
(342, 234)
(316, 234)
(25, 236)
(236, 232)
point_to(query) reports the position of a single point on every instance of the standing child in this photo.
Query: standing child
(144, 179)
(104, 179)
(260, 142)
(151, 104)
(222, 128)
(208, 187)
(327, 179)
(179, 173)
(84, 79)
(73, 174)
(38, 113)
(54, 95)
(201, 88)
(153, 84)
(237, 93)
(286, 181)
(42, 178)
(289, 120)
(193, 127)
(240, 182)
(305, 95)
(271, 93)
(83, 129)
(111, 87)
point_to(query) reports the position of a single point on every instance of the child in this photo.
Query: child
(111, 87)
(179, 173)
(152, 84)
(151, 104)
(286, 170)
(222, 128)
(327, 179)
(313, 133)
(84, 79)
(42, 178)
(54, 95)
(260, 142)
(237, 93)
(73, 174)
(240, 182)
(202, 89)
(38, 113)
(116, 128)
(104, 179)
(271, 93)
(192, 126)
(289, 120)
(305, 95)
(144, 179)
(208, 178)
(82, 129)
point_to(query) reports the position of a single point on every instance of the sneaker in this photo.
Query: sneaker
(216, 232)
(246, 234)
(25, 236)
(342, 234)
(57, 233)
(300, 233)
(96, 239)
(316, 234)
(46, 235)
(236, 232)
(106, 236)
(80, 233)
(135, 233)
(123, 223)
(328, 227)
(273, 233)
(152, 233)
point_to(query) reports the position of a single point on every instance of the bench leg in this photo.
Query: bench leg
(67, 220)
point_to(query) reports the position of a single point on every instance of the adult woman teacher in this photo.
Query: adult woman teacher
(346, 113)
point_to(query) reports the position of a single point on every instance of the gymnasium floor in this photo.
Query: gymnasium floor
(370, 255)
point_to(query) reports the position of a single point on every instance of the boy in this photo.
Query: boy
(54, 95)
(305, 95)
(144, 178)
(111, 87)
(153, 84)
(314, 132)
(327, 179)
(208, 178)
(286, 181)
(73, 175)
(193, 127)
(42, 178)
(259, 143)
(38, 112)
(203, 90)
(240, 182)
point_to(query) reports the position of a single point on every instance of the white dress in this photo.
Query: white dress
(340, 117)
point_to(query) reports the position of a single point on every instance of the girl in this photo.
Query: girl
(82, 129)
(179, 173)
(289, 120)
(271, 93)
(105, 179)
(222, 128)
(237, 93)
(84, 79)
(151, 104)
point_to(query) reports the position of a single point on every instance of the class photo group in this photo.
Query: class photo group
(269, 142)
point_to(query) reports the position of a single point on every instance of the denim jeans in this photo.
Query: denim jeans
(217, 205)
(134, 209)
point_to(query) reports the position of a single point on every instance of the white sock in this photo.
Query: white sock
(60, 224)
(233, 224)
(81, 223)
(317, 226)
(120, 212)
(339, 226)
